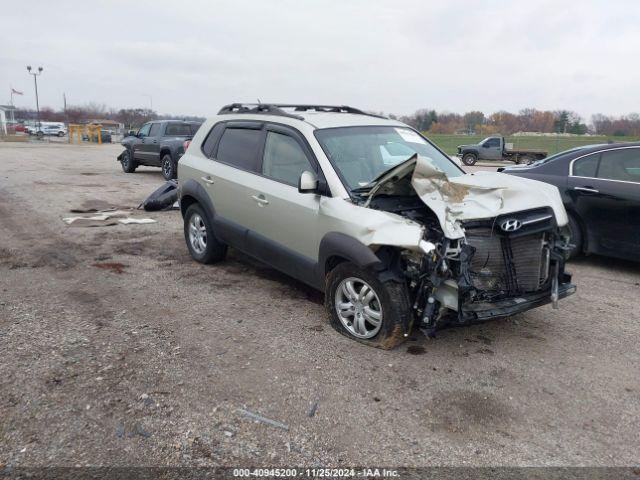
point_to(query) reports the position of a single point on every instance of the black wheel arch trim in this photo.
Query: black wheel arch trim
(193, 189)
(336, 244)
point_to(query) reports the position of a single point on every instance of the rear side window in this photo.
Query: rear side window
(587, 166)
(240, 147)
(178, 130)
(155, 130)
(284, 160)
(623, 165)
(211, 140)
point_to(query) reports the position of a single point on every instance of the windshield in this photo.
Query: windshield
(361, 154)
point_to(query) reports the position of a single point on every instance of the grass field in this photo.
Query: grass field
(449, 143)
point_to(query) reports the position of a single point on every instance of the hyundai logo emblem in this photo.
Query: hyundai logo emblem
(511, 225)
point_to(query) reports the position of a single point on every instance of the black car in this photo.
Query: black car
(157, 144)
(600, 188)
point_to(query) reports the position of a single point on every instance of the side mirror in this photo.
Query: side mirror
(308, 182)
(132, 133)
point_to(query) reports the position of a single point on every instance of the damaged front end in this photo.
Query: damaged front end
(492, 247)
(491, 273)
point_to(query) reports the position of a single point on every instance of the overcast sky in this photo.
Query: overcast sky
(392, 56)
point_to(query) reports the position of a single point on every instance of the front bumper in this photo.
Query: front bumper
(482, 311)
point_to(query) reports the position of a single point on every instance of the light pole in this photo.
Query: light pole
(35, 82)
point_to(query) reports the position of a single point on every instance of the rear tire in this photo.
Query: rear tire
(61, 134)
(169, 168)
(202, 243)
(129, 165)
(524, 160)
(366, 308)
(576, 237)
(469, 159)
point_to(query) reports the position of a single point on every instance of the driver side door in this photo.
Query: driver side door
(491, 149)
(138, 146)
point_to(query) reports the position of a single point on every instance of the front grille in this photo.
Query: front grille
(508, 264)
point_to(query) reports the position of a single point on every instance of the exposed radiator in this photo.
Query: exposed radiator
(513, 265)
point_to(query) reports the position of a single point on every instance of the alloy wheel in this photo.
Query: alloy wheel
(358, 307)
(197, 234)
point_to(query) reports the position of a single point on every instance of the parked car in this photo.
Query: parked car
(157, 144)
(395, 240)
(47, 128)
(600, 189)
(53, 130)
(495, 148)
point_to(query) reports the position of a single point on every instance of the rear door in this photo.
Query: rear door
(235, 150)
(605, 188)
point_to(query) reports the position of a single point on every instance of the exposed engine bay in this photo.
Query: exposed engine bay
(499, 266)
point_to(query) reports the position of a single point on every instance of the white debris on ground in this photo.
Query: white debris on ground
(106, 218)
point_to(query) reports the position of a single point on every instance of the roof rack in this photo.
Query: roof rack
(276, 109)
(263, 108)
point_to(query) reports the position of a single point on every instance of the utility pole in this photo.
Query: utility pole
(35, 82)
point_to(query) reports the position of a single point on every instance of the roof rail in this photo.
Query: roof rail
(263, 108)
(328, 108)
(277, 109)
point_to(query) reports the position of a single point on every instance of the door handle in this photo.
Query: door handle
(260, 199)
(155, 141)
(586, 189)
(208, 180)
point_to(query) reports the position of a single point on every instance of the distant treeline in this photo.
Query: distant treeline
(427, 120)
(527, 120)
(130, 117)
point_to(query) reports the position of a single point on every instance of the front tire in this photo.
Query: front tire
(202, 243)
(366, 308)
(469, 159)
(169, 168)
(129, 165)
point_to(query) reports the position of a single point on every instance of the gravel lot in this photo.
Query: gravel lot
(152, 366)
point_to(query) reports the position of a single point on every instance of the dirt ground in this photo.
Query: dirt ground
(118, 349)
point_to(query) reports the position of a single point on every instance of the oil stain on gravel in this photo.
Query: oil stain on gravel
(416, 350)
(462, 411)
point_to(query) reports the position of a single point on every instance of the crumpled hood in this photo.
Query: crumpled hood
(473, 196)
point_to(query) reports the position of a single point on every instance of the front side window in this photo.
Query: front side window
(240, 147)
(587, 166)
(492, 142)
(360, 154)
(144, 130)
(284, 160)
(623, 165)
(155, 130)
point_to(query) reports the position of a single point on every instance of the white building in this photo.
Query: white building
(6, 117)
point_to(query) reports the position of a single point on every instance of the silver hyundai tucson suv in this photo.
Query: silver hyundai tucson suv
(370, 212)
